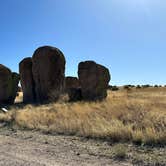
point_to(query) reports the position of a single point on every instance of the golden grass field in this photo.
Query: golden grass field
(136, 115)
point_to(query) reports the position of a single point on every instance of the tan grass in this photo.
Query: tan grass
(135, 115)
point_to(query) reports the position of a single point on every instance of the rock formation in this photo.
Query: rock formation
(8, 85)
(94, 80)
(27, 82)
(71, 82)
(48, 68)
(72, 87)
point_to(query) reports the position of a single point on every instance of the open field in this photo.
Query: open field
(134, 120)
(137, 115)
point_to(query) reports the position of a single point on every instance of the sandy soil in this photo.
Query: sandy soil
(27, 148)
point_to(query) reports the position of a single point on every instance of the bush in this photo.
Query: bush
(127, 87)
(113, 88)
(132, 86)
(120, 151)
(138, 87)
(146, 86)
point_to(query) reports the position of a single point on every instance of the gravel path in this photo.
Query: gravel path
(27, 148)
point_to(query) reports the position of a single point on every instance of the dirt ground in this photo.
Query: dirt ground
(30, 148)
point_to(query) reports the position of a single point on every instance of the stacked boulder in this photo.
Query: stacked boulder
(45, 75)
(8, 85)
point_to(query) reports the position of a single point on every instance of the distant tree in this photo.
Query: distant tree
(146, 86)
(131, 86)
(138, 86)
(127, 87)
(113, 88)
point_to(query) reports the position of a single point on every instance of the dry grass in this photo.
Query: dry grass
(137, 115)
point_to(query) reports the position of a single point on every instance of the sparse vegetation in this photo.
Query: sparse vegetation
(138, 87)
(113, 88)
(120, 151)
(127, 87)
(146, 86)
(138, 116)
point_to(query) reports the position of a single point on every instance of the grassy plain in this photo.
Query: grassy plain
(131, 120)
(128, 115)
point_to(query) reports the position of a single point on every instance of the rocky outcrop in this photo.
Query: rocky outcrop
(43, 78)
(27, 82)
(8, 85)
(94, 79)
(48, 69)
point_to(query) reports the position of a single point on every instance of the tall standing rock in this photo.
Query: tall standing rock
(94, 79)
(8, 85)
(27, 81)
(48, 68)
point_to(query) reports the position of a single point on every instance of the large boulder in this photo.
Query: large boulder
(72, 87)
(8, 85)
(94, 80)
(27, 82)
(48, 68)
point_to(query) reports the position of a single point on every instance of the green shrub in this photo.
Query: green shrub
(113, 88)
(146, 86)
(120, 151)
(138, 86)
(127, 87)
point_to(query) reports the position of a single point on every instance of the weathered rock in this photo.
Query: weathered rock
(5, 84)
(48, 68)
(71, 82)
(8, 85)
(27, 82)
(72, 87)
(94, 79)
(74, 94)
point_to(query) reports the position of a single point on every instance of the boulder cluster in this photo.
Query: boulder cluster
(43, 79)
(43, 75)
(8, 85)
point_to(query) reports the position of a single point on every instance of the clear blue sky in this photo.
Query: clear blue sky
(127, 36)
